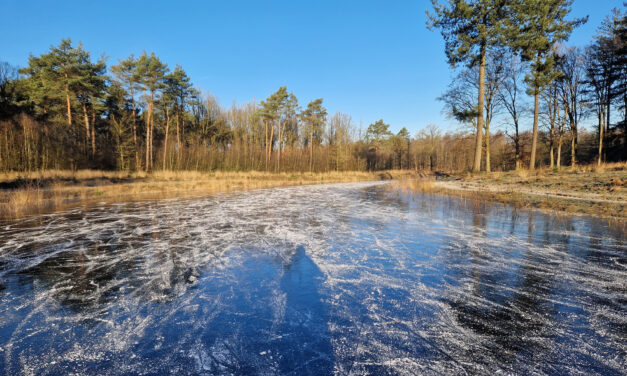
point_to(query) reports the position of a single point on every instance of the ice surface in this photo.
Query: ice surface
(346, 279)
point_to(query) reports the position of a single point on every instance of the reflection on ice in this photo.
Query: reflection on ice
(330, 279)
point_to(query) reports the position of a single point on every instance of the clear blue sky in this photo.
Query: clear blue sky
(370, 59)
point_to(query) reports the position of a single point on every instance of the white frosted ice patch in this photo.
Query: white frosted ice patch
(330, 279)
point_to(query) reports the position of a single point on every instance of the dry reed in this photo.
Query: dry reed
(55, 189)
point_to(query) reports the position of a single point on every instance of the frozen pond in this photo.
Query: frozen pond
(346, 279)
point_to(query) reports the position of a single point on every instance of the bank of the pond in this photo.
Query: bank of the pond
(589, 190)
(23, 193)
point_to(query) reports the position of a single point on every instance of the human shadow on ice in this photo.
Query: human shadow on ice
(306, 341)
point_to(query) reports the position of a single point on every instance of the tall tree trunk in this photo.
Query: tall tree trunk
(607, 121)
(87, 130)
(477, 163)
(311, 148)
(534, 140)
(408, 154)
(573, 132)
(148, 137)
(93, 132)
(552, 140)
(551, 156)
(553, 119)
(26, 144)
(152, 128)
(559, 152)
(69, 104)
(278, 161)
(182, 131)
(560, 138)
(609, 106)
(517, 145)
(271, 143)
(552, 145)
(178, 140)
(601, 134)
(135, 145)
(573, 148)
(266, 144)
(165, 142)
(118, 142)
(488, 168)
(624, 121)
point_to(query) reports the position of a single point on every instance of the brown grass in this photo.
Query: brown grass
(591, 189)
(67, 174)
(39, 192)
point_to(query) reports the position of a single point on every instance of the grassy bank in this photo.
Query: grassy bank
(583, 190)
(595, 190)
(24, 193)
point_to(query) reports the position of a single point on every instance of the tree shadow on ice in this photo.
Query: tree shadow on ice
(305, 346)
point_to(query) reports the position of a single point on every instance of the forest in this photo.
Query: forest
(521, 95)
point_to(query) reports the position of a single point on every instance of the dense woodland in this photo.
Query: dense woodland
(520, 94)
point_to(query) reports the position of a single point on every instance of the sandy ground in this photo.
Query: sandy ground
(583, 190)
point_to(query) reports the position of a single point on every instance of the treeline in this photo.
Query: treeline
(505, 50)
(67, 110)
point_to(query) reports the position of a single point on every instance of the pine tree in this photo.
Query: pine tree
(278, 103)
(10, 93)
(378, 132)
(315, 116)
(470, 28)
(268, 111)
(535, 27)
(378, 135)
(151, 72)
(402, 146)
(90, 86)
(51, 78)
(56, 81)
(167, 103)
(120, 114)
(288, 107)
(181, 90)
(127, 77)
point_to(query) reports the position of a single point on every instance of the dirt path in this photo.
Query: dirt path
(458, 185)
